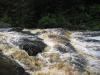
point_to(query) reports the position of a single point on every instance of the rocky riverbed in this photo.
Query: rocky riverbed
(49, 52)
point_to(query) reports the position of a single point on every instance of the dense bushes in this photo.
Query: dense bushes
(52, 20)
(71, 14)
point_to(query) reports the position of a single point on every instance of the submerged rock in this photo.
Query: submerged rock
(30, 43)
(52, 51)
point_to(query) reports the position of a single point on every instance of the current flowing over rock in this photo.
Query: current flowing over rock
(52, 51)
(10, 67)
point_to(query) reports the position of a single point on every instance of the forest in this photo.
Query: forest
(49, 37)
(69, 14)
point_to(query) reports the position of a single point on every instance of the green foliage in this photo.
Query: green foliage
(52, 20)
(4, 25)
(5, 22)
(6, 19)
(70, 14)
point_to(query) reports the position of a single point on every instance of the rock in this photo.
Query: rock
(33, 48)
(30, 43)
(10, 29)
(10, 67)
(5, 29)
(56, 51)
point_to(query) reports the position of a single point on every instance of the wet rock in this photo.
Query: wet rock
(32, 47)
(5, 29)
(61, 49)
(10, 29)
(80, 51)
(28, 42)
(79, 62)
(10, 67)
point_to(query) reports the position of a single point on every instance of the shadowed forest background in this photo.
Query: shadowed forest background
(70, 14)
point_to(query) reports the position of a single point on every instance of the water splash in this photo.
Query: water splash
(63, 52)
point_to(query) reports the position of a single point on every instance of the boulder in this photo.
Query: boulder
(10, 67)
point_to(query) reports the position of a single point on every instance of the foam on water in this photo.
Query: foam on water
(61, 55)
(89, 49)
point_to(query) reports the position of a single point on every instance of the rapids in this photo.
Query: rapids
(52, 51)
